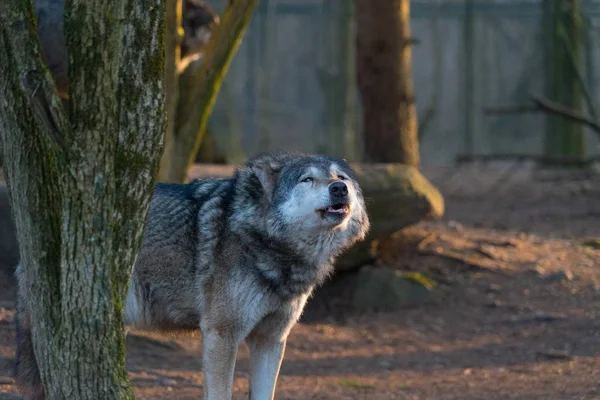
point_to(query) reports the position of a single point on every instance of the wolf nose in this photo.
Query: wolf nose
(338, 189)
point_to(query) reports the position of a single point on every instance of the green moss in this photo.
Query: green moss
(30, 14)
(352, 383)
(155, 68)
(419, 279)
(134, 162)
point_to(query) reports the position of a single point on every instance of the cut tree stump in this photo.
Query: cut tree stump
(397, 196)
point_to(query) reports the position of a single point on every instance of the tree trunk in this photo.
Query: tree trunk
(563, 28)
(384, 74)
(172, 55)
(199, 87)
(81, 182)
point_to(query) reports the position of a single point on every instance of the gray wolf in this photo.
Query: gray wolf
(237, 258)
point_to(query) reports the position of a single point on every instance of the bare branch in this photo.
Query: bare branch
(541, 104)
(554, 108)
(510, 110)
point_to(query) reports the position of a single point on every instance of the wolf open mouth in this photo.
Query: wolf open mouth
(338, 209)
(335, 210)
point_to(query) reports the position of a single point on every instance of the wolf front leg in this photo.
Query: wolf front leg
(266, 355)
(218, 363)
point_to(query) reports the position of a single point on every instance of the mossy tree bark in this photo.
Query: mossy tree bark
(81, 180)
(198, 89)
(384, 73)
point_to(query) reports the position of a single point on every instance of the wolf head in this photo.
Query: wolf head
(312, 201)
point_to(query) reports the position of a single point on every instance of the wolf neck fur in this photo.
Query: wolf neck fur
(302, 263)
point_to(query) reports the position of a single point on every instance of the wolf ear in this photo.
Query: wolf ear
(267, 173)
(267, 167)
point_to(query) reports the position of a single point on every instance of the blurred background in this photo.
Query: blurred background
(292, 83)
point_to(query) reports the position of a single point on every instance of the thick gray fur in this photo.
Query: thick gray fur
(238, 259)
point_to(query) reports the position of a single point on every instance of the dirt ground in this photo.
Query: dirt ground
(515, 314)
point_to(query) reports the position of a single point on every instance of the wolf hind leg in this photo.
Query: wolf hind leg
(27, 373)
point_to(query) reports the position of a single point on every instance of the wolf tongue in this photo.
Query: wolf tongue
(337, 211)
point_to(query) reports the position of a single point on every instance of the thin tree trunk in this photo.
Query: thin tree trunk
(563, 28)
(172, 56)
(199, 87)
(81, 182)
(385, 81)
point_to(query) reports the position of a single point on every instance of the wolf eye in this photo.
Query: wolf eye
(342, 177)
(307, 179)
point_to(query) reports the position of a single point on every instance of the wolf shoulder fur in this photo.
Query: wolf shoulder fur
(239, 257)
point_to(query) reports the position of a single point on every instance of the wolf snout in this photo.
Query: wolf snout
(338, 190)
